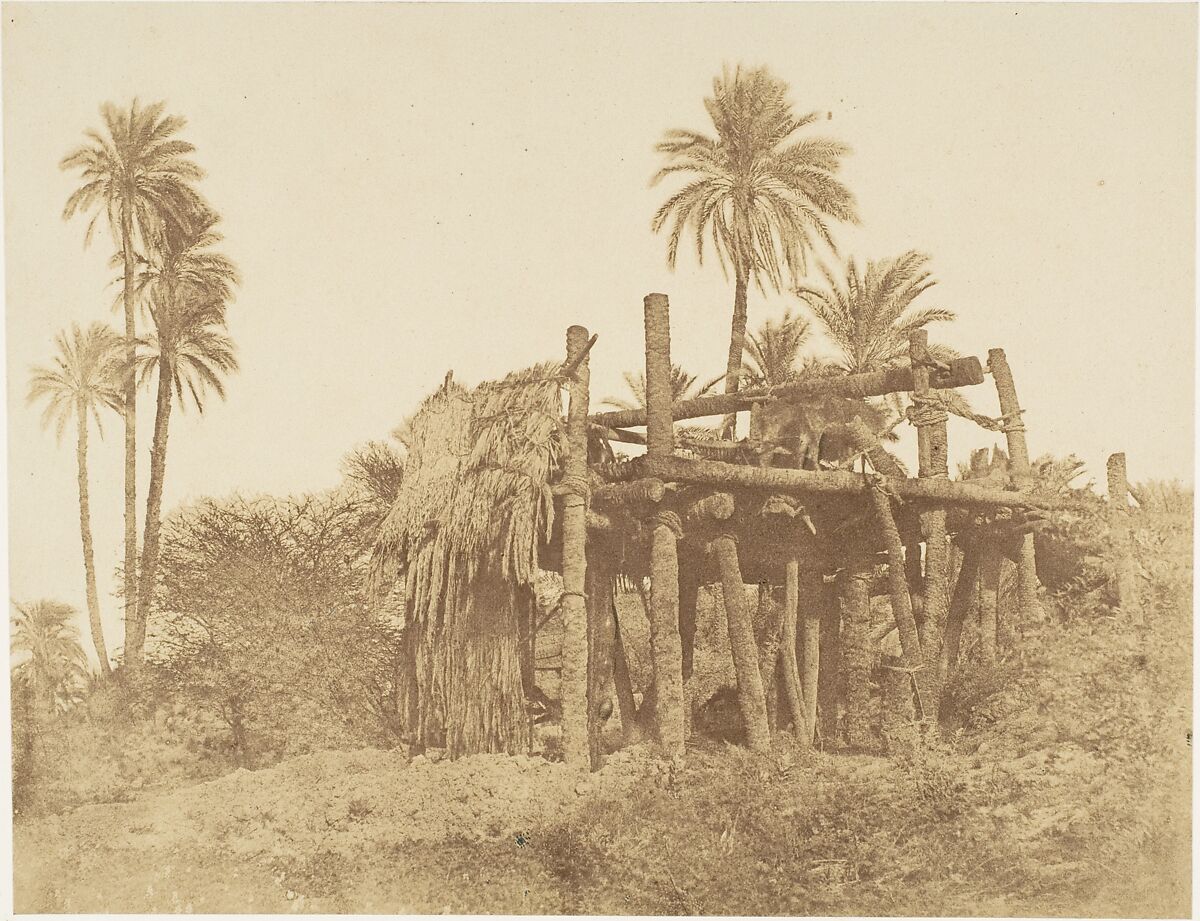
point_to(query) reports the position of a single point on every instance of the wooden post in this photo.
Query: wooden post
(689, 594)
(601, 638)
(829, 681)
(1018, 457)
(752, 700)
(932, 446)
(966, 593)
(1125, 581)
(574, 564)
(858, 652)
(665, 646)
(811, 590)
(989, 590)
(624, 686)
(963, 372)
(793, 692)
(901, 603)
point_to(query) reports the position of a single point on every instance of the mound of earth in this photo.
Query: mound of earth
(340, 805)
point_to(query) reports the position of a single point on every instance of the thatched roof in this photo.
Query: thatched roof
(476, 493)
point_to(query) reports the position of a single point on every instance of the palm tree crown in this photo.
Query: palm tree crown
(773, 353)
(84, 377)
(682, 388)
(867, 315)
(761, 196)
(137, 176)
(56, 665)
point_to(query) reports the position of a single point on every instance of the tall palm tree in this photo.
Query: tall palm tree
(869, 315)
(760, 194)
(773, 353)
(84, 377)
(137, 176)
(187, 287)
(56, 667)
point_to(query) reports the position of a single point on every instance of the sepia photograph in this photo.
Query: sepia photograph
(632, 459)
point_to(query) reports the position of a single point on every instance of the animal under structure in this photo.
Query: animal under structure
(499, 487)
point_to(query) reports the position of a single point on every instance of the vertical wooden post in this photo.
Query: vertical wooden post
(689, 594)
(601, 638)
(966, 593)
(1118, 504)
(623, 685)
(898, 588)
(793, 690)
(829, 682)
(811, 590)
(1018, 456)
(989, 590)
(752, 699)
(574, 564)
(665, 645)
(933, 449)
(857, 650)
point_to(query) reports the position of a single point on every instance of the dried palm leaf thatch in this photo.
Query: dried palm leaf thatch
(460, 548)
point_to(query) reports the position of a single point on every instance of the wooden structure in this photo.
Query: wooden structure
(824, 534)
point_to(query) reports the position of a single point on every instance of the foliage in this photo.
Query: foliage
(760, 195)
(773, 353)
(53, 666)
(138, 174)
(83, 378)
(262, 621)
(683, 387)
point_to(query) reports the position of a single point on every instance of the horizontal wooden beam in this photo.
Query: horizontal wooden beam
(962, 372)
(844, 482)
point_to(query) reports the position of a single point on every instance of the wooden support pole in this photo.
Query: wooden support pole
(858, 650)
(829, 681)
(601, 638)
(622, 683)
(752, 699)
(901, 602)
(689, 596)
(932, 448)
(989, 592)
(811, 591)
(721, 475)
(1018, 457)
(966, 594)
(665, 646)
(574, 553)
(963, 372)
(1125, 580)
(792, 689)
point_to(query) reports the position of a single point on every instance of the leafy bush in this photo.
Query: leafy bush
(262, 623)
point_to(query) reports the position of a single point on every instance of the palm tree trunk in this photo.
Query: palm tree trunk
(737, 345)
(85, 532)
(135, 629)
(158, 469)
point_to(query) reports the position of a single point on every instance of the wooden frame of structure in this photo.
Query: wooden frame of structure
(701, 520)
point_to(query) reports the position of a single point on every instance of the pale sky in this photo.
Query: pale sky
(413, 188)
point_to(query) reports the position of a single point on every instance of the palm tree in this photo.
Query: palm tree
(868, 316)
(762, 196)
(83, 378)
(56, 665)
(137, 177)
(773, 353)
(187, 287)
(682, 385)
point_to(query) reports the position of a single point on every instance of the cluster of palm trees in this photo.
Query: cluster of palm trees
(137, 180)
(764, 195)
